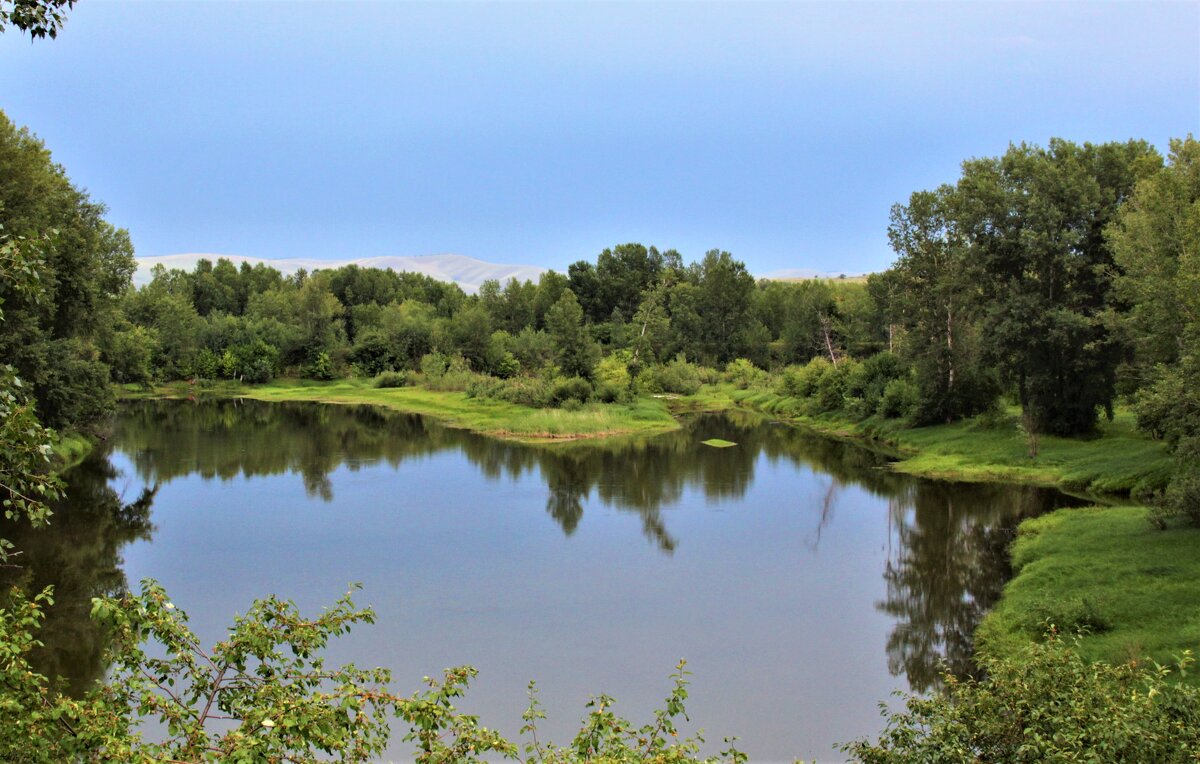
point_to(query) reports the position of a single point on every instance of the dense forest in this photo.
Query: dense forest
(1062, 279)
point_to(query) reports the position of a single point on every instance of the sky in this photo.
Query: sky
(543, 133)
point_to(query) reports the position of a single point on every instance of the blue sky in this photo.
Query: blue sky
(541, 134)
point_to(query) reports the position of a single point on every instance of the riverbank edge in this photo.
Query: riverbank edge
(498, 419)
(1105, 573)
(1118, 461)
(68, 449)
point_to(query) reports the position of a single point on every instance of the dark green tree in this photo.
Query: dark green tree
(575, 351)
(937, 298)
(1035, 219)
(52, 340)
(723, 305)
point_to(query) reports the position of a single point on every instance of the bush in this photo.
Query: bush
(613, 371)
(391, 379)
(571, 389)
(804, 381)
(483, 386)
(873, 377)
(372, 355)
(899, 399)
(678, 376)
(1046, 704)
(744, 374)
(320, 367)
(446, 373)
(507, 366)
(607, 393)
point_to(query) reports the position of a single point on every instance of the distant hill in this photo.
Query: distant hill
(806, 274)
(467, 272)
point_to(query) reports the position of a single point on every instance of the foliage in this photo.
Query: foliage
(1047, 704)
(38, 18)
(390, 379)
(899, 399)
(52, 338)
(743, 374)
(935, 295)
(25, 484)
(678, 376)
(264, 693)
(574, 349)
(571, 389)
(1035, 219)
(1156, 239)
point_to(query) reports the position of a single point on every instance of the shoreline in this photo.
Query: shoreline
(1118, 462)
(492, 418)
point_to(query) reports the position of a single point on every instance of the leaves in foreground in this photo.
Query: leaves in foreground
(1047, 704)
(265, 694)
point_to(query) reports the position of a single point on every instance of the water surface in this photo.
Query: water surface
(801, 579)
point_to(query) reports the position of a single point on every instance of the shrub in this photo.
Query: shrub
(205, 365)
(707, 375)
(537, 392)
(899, 399)
(678, 376)
(391, 379)
(320, 367)
(803, 381)
(834, 387)
(446, 373)
(571, 388)
(483, 386)
(613, 371)
(507, 366)
(873, 376)
(1046, 703)
(607, 393)
(744, 374)
(371, 354)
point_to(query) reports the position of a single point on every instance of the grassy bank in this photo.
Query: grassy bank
(490, 417)
(70, 449)
(1104, 569)
(1118, 459)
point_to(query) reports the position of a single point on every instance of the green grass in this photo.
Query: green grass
(490, 417)
(1107, 569)
(1116, 460)
(718, 443)
(70, 449)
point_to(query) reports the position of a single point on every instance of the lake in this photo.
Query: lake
(802, 580)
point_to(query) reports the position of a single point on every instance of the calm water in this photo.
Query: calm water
(801, 579)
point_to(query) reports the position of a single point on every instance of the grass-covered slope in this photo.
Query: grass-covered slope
(1117, 459)
(1106, 570)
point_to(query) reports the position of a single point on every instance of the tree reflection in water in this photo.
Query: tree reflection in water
(947, 567)
(80, 556)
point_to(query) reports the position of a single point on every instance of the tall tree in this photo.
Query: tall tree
(1035, 219)
(725, 292)
(936, 297)
(576, 352)
(87, 264)
(1156, 242)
